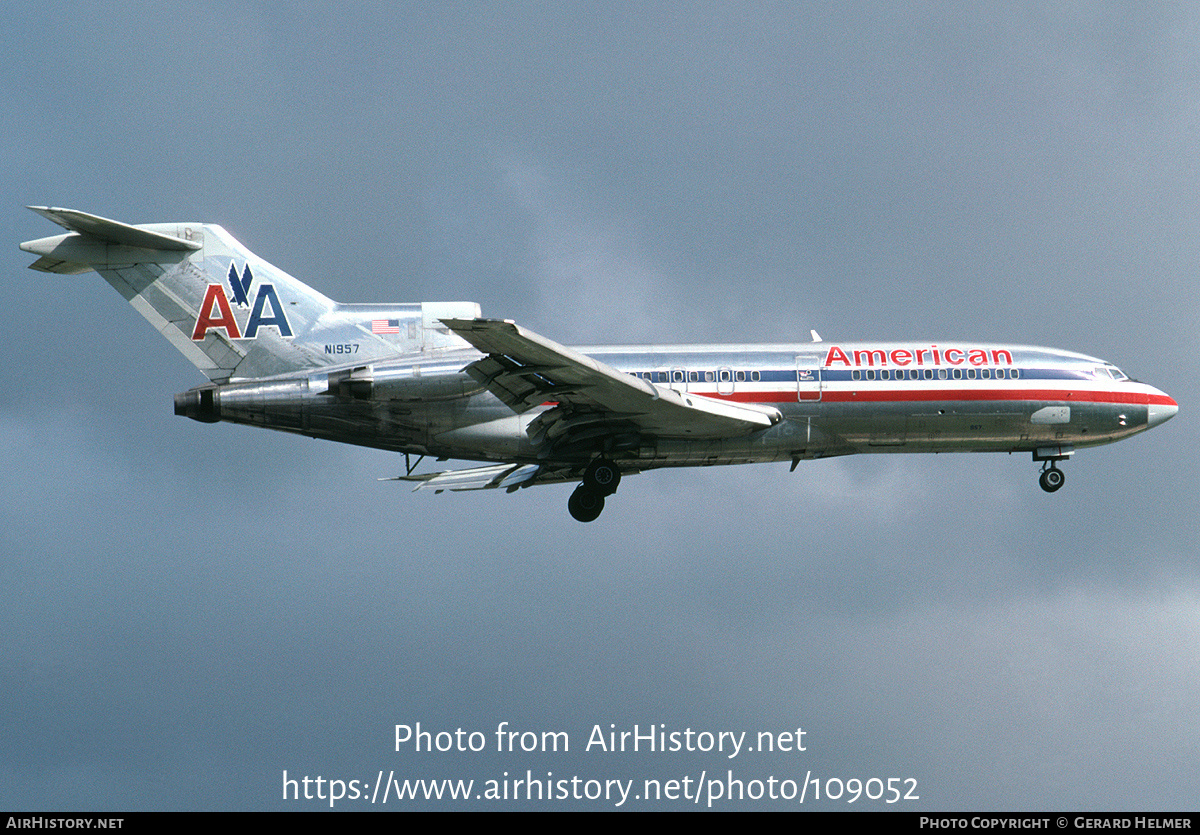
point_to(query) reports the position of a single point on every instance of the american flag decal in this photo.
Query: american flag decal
(385, 326)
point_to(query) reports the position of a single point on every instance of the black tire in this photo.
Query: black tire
(1052, 479)
(585, 504)
(602, 476)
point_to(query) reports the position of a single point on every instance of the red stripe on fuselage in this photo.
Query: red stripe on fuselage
(1137, 398)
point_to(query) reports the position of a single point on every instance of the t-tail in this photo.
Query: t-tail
(232, 314)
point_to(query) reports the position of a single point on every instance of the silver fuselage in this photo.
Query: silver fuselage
(836, 399)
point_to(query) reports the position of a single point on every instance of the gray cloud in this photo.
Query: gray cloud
(194, 609)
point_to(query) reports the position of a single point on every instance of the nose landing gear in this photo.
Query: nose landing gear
(1052, 478)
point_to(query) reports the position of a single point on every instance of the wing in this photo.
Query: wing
(526, 370)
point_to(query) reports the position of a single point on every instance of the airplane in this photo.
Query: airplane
(437, 379)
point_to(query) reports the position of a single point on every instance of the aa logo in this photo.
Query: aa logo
(216, 313)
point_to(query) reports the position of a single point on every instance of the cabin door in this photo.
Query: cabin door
(808, 377)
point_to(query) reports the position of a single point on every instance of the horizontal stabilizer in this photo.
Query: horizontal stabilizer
(112, 231)
(49, 264)
(476, 478)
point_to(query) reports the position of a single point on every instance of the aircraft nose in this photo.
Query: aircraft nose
(1161, 409)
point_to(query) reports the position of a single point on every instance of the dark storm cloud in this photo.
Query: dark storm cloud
(196, 608)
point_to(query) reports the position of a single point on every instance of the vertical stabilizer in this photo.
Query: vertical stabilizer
(228, 311)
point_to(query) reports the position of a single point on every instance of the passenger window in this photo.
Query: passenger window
(741, 376)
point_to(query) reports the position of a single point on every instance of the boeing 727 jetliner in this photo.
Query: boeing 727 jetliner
(436, 379)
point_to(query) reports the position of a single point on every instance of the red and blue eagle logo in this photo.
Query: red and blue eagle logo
(216, 312)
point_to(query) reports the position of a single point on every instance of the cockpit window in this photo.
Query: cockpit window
(1116, 373)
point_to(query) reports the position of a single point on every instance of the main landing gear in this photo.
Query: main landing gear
(600, 479)
(1052, 477)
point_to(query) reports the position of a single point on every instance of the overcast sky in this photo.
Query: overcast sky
(191, 610)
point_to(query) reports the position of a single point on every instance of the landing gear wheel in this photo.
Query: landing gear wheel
(1051, 479)
(585, 504)
(602, 476)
